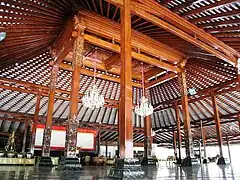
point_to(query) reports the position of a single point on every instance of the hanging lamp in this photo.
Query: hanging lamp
(144, 107)
(92, 98)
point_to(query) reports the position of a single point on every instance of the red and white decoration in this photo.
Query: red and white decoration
(86, 138)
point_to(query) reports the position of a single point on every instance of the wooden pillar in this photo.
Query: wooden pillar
(186, 116)
(229, 151)
(106, 149)
(238, 117)
(72, 123)
(147, 137)
(35, 122)
(217, 122)
(47, 130)
(25, 136)
(204, 143)
(238, 72)
(125, 109)
(238, 81)
(99, 140)
(175, 143)
(179, 137)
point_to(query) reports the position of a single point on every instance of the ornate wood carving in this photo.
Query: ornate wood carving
(54, 75)
(46, 141)
(186, 116)
(47, 130)
(72, 124)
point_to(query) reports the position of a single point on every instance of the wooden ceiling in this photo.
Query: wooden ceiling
(206, 33)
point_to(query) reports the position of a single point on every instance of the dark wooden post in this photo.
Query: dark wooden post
(204, 143)
(218, 127)
(174, 144)
(25, 136)
(72, 123)
(229, 151)
(147, 140)
(47, 130)
(125, 109)
(99, 139)
(35, 122)
(238, 117)
(186, 117)
(106, 149)
(178, 121)
(238, 81)
(238, 72)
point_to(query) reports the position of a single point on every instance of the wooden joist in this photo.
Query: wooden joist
(103, 27)
(98, 75)
(31, 88)
(154, 13)
(138, 56)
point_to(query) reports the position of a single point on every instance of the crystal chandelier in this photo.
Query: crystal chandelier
(92, 98)
(144, 108)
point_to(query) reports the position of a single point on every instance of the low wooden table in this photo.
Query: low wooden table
(16, 161)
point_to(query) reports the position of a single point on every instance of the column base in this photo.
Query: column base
(189, 161)
(221, 160)
(128, 168)
(179, 161)
(70, 163)
(205, 160)
(45, 161)
(148, 161)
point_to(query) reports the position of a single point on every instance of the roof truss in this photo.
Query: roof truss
(153, 12)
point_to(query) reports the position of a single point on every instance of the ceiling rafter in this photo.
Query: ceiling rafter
(103, 27)
(151, 10)
(98, 75)
(138, 56)
(215, 5)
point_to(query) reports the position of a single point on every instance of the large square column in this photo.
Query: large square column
(72, 123)
(125, 106)
(45, 159)
(48, 127)
(126, 166)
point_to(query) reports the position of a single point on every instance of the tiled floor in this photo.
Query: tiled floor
(162, 171)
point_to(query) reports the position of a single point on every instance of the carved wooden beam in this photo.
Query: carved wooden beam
(98, 75)
(152, 72)
(103, 27)
(111, 61)
(88, 62)
(164, 78)
(138, 56)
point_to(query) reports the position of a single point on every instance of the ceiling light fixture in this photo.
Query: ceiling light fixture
(144, 108)
(2, 35)
(92, 98)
